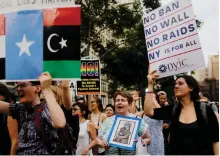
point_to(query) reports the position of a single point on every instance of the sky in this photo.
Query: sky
(207, 12)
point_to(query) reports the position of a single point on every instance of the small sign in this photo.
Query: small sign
(90, 69)
(124, 132)
(88, 87)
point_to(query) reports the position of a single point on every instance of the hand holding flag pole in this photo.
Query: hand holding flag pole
(45, 80)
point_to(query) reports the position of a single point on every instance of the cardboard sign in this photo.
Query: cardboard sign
(172, 39)
(88, 87)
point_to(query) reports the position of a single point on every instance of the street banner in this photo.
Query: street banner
(35, 41)
(90, 69)
(90, 87)
(7, 6)
(172, 39)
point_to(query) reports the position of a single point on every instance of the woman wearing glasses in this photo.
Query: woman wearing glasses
(87, 133)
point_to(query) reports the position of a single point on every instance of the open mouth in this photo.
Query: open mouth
(119, 107)
(20, 94)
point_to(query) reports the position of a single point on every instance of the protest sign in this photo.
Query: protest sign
(90, 78)
(90, 69)
(7, 6)
(40, 40)
(172, 39)
(89, 87)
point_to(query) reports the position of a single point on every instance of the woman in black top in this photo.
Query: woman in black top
(190, 133)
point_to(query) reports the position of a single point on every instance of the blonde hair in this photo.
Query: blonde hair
(57, 92)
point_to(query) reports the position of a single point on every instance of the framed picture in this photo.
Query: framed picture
(124, 131)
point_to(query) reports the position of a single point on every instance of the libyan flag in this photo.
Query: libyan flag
(62, 42)
(41, 40)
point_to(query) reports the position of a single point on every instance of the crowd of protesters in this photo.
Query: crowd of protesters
(40, 118)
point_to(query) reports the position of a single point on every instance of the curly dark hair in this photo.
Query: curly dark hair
(193, 84)
(110, 105)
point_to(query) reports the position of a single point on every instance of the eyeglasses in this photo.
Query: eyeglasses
(23, 85)
(75, 109)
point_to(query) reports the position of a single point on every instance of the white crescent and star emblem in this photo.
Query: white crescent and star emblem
(62, 43)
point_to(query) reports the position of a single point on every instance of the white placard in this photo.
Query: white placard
(7, 6)
(124, 131)
(172, 39)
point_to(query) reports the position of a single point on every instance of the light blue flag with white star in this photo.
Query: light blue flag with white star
(24, 45)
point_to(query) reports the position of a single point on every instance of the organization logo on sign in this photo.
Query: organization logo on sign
(173, 66)
(162, 68)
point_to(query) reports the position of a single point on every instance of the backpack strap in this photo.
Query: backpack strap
(38, 126)
(175, 106)
(203, 108)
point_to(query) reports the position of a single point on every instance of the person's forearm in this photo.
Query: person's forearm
(13, 132)
(133, 107)
(89, 102)
(56, 113)
(67, 102)
(149, 102)
(4, 107)
(92, 144)
(14, 146)
(216, 148)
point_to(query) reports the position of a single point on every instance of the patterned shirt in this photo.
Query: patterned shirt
(105, 131)
(29, 142)
(156, 146)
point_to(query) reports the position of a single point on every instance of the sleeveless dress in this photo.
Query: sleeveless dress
(84, 139)
(97, 120)
(156, 146)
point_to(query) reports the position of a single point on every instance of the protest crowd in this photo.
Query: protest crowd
(43, 120)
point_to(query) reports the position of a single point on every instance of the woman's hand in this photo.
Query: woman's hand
(165, 126)
(102, 143)
(85, 151)
(135, 96)
(45, 80)
(151, 77)
(64, 84)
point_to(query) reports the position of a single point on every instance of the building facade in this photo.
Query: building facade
(213, 67)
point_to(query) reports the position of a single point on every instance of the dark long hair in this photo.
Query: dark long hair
(193, 84)
(83, 109)
(4, 91)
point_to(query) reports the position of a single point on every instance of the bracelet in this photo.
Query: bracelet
(149, 92)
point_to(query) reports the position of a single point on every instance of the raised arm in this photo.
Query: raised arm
(135, 97)
(13, 132)
(4, 107)
(56, 113)
(149, 98)
(67, 102)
